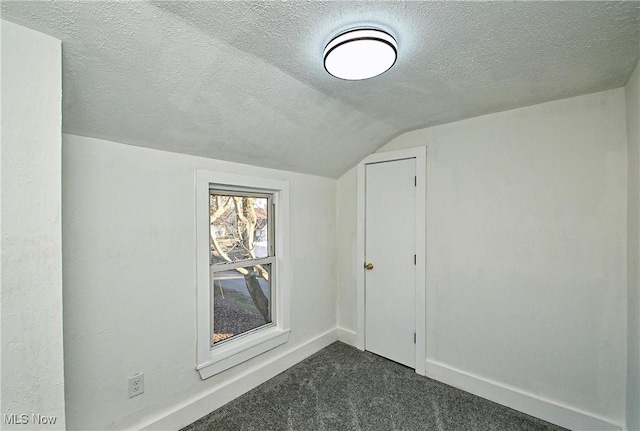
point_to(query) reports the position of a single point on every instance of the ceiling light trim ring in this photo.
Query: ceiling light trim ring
(355, 39)
(379, 34)
(393, 45)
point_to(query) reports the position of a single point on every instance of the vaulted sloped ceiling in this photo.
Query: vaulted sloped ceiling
(244, 81)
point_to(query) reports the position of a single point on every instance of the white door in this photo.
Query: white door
(390, 247)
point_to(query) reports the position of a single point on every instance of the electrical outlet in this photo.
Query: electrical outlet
(136, 385)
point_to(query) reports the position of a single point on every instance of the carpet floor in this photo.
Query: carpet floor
(342, 388)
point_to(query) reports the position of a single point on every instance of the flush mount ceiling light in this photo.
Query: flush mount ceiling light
(360, 53)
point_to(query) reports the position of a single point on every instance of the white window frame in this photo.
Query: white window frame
(214, 360)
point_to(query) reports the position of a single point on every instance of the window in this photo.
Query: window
(242, 257)
(242, 237)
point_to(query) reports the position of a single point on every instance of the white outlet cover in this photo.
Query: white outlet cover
(136, 385)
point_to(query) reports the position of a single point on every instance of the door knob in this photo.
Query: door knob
(368, 266)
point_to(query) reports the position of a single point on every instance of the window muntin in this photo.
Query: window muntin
(242, 262)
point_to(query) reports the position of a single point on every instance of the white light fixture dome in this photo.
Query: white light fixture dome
(360, 53)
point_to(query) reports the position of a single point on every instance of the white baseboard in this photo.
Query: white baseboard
(205, 403)
(517, 399)
(347, 336)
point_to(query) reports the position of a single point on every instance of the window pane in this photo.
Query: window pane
(239, 227)
(241, 300)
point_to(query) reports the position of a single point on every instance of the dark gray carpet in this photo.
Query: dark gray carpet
(342, 388)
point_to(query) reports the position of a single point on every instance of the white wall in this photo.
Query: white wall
(346, 253)
(632, 93)
(32, 352)
(526, 256)
(130, 282)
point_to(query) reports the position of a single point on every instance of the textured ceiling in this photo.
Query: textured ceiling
(244, 81)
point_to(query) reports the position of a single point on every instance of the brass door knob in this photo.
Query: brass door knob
(368, 266)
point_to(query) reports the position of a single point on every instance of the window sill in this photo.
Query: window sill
(222, 358)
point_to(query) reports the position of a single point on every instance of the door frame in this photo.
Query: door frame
(420, 155)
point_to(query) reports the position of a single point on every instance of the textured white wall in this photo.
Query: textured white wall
(32, 347)
(346, 252)
(130, 278)
(526, 249)
(632, 93)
